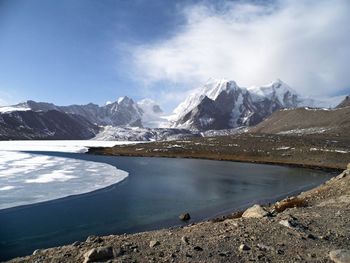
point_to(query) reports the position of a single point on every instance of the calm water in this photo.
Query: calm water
(156, 191)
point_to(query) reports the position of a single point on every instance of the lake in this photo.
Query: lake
(156, 191)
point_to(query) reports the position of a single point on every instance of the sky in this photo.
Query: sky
(81, 51)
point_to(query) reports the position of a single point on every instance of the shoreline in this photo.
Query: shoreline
(296, 165)
(302, 224)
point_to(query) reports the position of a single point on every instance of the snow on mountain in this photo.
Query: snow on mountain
(5, 109)
(277, 90)
(122, 112)
(212, 89)
(222, 104)
(111, 133)
(151, 113)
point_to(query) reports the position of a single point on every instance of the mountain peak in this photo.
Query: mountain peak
(124, 100)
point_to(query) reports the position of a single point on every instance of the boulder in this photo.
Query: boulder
(340, 256)
(98, 254)
(185, 216)
(256, 211)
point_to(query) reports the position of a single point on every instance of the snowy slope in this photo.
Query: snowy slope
(212, 89)
(222, 104)
(151, 113)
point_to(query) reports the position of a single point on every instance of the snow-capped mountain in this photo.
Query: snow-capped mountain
(222, 104)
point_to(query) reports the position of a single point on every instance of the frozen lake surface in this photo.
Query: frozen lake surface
(27, 177)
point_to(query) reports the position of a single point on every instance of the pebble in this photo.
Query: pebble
(285, 223)
(98, 254)
(198, 248)
(184, 240)
(256, 211)
(244, 247)
(340, 256)
(153, 243)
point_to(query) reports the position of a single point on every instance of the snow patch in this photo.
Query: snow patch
(7, 109)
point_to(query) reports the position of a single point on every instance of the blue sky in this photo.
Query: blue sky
(80, 51)
(67, 51)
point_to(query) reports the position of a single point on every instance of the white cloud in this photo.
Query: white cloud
(305, 43)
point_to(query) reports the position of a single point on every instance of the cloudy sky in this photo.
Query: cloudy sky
(80, 51)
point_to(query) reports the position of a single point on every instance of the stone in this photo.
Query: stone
(342, 175)
(76, 244)
(94, 239)
(98, 254)
(340, 256)
(256, 211)
(263, 247)
(154, 243)
(244, 247)
(285, 223)
(184, 240)
(36, 252)
(185, 216)
(198, 248)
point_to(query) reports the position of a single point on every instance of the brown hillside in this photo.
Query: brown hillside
(303, 121)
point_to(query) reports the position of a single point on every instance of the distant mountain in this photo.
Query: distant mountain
(123, 112)
(52, 124)
(303, 121)
(222, 104)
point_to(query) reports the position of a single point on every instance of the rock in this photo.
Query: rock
(76, 244)
(348, 166)
(184, 240)
(244, 247)
(98, 254)
(198, 248)
(256, 211)
(342, 175)
(94, 239)
(154, 243)
(263, 247)
(285, 223)
(340, 256)
(185, 216)
(36, 252)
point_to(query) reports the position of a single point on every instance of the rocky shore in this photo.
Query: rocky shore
(315, 151)
(311, 227)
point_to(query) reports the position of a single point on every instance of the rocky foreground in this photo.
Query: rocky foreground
(311, 227)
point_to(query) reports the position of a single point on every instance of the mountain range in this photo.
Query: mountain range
(222, 104)
(218, 105)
